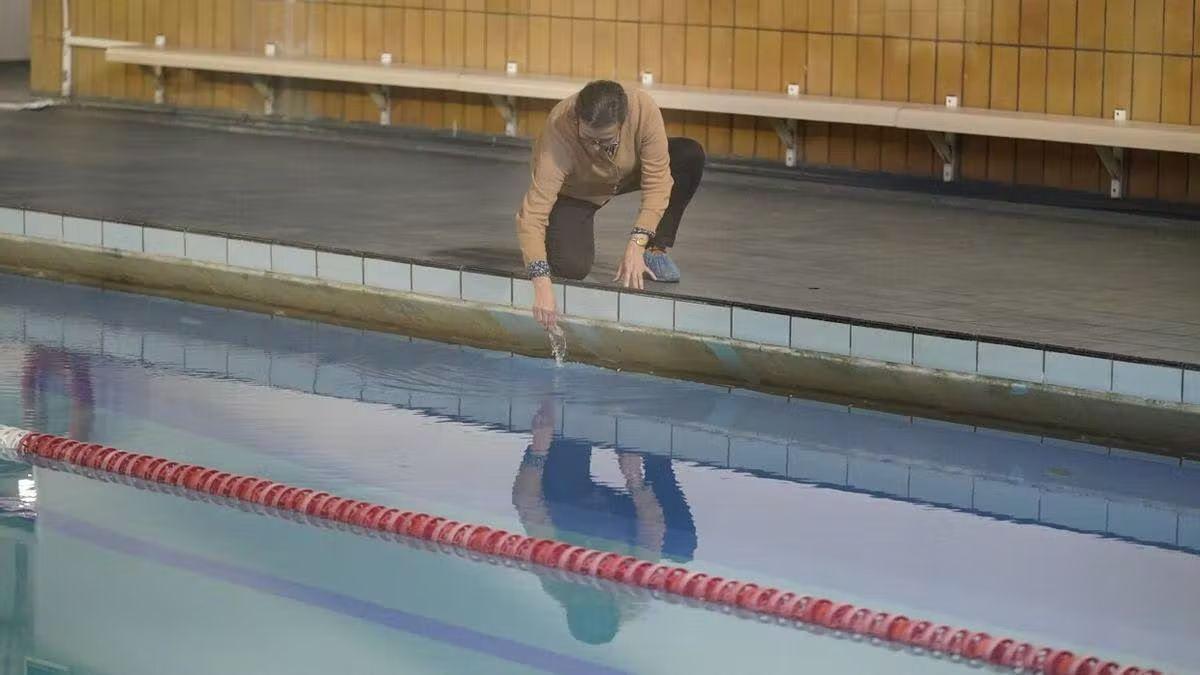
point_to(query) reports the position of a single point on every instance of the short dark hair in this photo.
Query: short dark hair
(602, 103)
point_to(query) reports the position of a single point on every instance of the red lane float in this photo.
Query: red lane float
(768, 602)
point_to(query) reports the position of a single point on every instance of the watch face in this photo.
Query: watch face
(641, 239)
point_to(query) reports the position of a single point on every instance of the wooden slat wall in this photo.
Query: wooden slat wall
(1082, 57)
(39, 57)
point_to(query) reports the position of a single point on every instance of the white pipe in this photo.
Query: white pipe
(69, 42)
(98, 43)
(66, 49)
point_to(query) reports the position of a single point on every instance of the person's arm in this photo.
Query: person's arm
(550, 169)
(82, 399)
(528, 497)
(656, 165)
(651, 521)
(655, 161)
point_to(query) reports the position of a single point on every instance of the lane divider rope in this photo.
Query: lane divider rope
(766, 602)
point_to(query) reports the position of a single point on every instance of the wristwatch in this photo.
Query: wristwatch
(642, 240)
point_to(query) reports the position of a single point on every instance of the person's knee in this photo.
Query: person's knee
(687, 152)
(571, 269)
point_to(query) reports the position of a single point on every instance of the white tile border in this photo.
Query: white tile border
(346, 269)
(1011, 362)
(591, 303)
(818, 335)
(487, 288)
(1191, 386)
(762, 327)
(206, 248)
(293, 260)
(82, 231)
(12, 221)
(40, 225)
(122, 236)
(1080, 372)
(439, 281)
(1157, 383)
(881, 344)
(387, 274)
(929, 350)
(944, 353)
(249, 254)
(703, 319)
(157, 241)
(647, 311)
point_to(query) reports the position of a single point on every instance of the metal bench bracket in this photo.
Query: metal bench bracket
(788, 134)
(946, 146)
(507, 105)
(65, 84)
(160, 86)
(264, 87)
(1113, 160)
(382, 96)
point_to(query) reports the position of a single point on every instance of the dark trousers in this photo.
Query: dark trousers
(570, 235)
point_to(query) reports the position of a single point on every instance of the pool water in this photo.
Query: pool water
(1056, 542)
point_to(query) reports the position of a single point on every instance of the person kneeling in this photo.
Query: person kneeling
(606, 140)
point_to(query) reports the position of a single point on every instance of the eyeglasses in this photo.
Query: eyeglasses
(607, 144)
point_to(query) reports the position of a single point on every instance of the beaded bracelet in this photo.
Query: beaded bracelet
(536, 460)
(538, 268)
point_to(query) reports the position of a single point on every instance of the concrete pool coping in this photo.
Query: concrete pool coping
(1140, 402)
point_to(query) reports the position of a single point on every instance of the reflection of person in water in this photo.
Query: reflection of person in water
(557, 497)
(42, 367)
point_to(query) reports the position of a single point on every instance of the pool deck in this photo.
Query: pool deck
(1102, 281)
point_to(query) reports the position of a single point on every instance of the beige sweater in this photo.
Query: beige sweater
(565, 165)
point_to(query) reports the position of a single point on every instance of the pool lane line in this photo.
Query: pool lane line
(415, 624)
(767, 602)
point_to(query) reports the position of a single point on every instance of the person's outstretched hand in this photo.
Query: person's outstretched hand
(545, 308)
(633, 268)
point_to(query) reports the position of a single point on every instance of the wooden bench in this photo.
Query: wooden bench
(944, 125)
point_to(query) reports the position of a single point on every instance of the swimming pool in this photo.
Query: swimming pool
(1061, 543)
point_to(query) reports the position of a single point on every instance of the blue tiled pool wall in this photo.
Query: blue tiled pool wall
(1121, 493)
(1154, 381)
